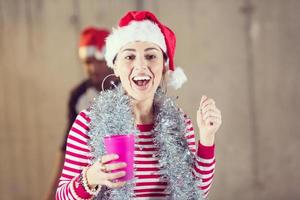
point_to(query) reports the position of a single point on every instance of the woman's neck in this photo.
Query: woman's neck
(143, 111)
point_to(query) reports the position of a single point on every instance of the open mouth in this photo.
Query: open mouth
(141, 81)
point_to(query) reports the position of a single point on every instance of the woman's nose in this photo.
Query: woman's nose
(140, 62)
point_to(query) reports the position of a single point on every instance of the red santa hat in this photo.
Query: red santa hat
(144, 26)
(92, 43)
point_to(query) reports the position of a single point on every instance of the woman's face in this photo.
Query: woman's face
(140, 67)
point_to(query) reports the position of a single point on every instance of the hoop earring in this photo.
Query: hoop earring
(163, 86)
(111, 82)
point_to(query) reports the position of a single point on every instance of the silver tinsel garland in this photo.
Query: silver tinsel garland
(111, 114)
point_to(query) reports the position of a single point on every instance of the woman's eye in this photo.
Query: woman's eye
(130, 57)
(150, 57)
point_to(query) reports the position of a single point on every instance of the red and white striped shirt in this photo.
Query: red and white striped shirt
(149, 184)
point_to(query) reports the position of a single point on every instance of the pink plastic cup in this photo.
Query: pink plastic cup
(123, 145)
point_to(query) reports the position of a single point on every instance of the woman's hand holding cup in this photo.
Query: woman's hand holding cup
(103, 172)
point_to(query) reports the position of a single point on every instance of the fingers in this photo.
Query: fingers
(114, 166)
(115, 175)
(109, 157)
(211, 115)
(211, 111)
(208, 111)
(110, 166)
(103, 172)
(203, 99)
(210, 107)
(111, 178)
(208, 102)
(199, 111)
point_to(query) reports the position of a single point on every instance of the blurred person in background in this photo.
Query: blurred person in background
(91, 54)
(169, 163)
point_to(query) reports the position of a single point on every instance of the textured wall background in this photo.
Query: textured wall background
(243, 53)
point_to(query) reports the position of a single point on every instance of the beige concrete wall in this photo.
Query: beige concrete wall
(276, 48)
(243, 53)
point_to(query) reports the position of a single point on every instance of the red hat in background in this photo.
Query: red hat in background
(92, 43)
(144, 26)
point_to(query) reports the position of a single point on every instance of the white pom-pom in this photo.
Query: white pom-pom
(177, 78)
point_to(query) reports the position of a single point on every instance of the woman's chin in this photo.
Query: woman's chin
(142, 94)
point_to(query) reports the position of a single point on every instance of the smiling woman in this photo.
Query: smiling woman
(168, 161)
(140, 66)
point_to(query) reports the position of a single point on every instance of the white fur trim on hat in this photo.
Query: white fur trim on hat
(90, 51)
(145, 31)
(176, 78)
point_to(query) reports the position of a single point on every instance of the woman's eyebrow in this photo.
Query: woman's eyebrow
(128, 50)
(151, 48)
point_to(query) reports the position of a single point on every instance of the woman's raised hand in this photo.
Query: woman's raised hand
(209, 120)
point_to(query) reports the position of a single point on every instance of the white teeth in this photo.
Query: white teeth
(141, 78)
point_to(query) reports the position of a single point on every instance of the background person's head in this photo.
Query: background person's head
(91, 54)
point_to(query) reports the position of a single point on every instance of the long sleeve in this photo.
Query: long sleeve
(204, 165)
(76, 158)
